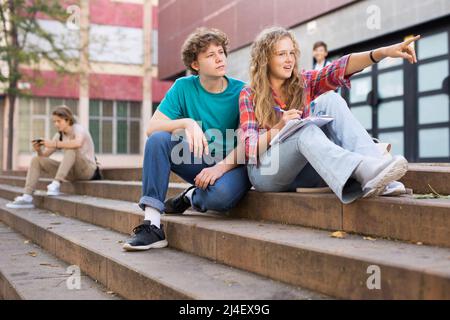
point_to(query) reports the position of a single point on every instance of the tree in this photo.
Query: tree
(25, 42)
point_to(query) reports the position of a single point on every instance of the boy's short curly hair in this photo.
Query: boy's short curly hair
(199, 41)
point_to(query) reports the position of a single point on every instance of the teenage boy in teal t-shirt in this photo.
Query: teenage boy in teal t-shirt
(205, 108)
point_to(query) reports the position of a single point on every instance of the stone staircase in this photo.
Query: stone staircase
(271, 246)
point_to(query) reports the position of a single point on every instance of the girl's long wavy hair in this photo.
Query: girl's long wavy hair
(262, 51)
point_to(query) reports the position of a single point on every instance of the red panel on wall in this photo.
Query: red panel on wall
(64, 4)
(51, 84)
(101, 86)
(159, 89)
(115, 87)
(242, 20)
(113, 13)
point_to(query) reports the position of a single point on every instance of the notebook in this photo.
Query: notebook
(294, 125)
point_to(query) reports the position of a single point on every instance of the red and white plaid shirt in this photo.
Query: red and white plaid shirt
(316, 83)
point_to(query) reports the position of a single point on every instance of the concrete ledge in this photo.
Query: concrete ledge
(156, 274)
(298, 256)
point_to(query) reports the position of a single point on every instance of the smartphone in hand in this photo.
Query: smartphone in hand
(38, 141)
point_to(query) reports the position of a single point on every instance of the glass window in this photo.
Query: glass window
(24, 125)
(94, 108)
(38, 128)
(135, 137)
(389, 63)
(390, 114)
(122, 136)
(364, 115)
(122, 109)
(72, 104)
(107, 108)
(360, 88)
(434, 143)
(431, 75)
(55, 102)
(94, 129)
(433, 46)
(39, 106)
(135, 109)
(107, 134)
(396, 139)
(116, 127)
(434, 109)
(390, 84)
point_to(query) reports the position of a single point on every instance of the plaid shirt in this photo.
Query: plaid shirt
(316, 83)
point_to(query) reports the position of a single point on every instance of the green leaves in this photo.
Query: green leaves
(25, 42)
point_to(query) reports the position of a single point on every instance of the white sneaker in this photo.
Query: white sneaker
(53, 189)
(21, 202)
(394, 188)
(396, 169)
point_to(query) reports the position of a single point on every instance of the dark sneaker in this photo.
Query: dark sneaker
(179, 204)
(146, 236)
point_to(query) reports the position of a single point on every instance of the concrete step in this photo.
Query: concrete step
(27, 272)
(299, 256)
(155, 274)
(420, 176)
(126, 174)
(110, 189)
(403, 218)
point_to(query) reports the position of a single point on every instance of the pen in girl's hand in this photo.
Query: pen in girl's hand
(279, 109)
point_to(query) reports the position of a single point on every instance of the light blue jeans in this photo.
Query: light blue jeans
(314, 157)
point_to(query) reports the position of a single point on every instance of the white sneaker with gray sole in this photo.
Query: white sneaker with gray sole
(20, 203)
(395, 170)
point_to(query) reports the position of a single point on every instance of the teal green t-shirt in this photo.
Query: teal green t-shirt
(217, 112)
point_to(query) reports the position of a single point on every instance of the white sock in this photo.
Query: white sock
(27, 197)
(189, 195)
(153, 215)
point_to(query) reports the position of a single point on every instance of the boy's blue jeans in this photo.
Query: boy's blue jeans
(158, 162)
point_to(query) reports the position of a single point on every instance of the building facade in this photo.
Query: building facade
(113, 93)
(406, 105)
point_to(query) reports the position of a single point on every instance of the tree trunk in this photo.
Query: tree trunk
(12, 103)
(14, 71)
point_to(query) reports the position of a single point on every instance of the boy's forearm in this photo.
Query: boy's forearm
(167, 125)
